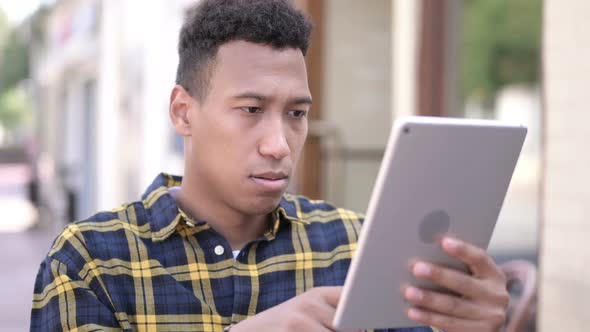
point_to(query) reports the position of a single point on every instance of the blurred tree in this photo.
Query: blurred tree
(14, 67)
(501, 45)
(14, 104)
(3, 31)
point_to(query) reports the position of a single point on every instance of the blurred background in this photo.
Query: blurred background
(84, 87)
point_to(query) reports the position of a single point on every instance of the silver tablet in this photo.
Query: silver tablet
(438, 176)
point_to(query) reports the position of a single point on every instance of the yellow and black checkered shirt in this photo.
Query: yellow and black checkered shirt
(147, 267)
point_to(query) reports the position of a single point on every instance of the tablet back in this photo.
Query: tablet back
(438, 176)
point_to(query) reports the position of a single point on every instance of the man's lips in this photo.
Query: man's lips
(271, 181)
(271, 175)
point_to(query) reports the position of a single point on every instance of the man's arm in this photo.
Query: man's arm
(482, 297)
(311, 311)
(64, 302)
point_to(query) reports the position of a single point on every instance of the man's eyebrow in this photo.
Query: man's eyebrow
(249, 95)
(260, 97)
(302, 100)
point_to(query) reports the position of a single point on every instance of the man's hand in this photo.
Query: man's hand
(311, 311)
(482, 296)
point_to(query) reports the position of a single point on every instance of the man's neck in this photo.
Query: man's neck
(237, 228)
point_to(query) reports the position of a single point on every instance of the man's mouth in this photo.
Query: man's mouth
(271, 181)
(271, 176)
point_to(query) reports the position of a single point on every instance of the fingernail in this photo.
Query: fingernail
(422, 270)
(413, 293)
(414, 314)
(452, 243)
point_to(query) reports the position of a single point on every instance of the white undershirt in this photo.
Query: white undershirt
(174, 191)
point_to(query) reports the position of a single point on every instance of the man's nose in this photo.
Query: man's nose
(274, 143)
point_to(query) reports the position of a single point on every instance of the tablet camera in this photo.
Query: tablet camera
(434, 225)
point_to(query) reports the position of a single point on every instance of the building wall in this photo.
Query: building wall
(356, 101)
(61, 68)
(163, 20)
(565, 257)
(103, 77)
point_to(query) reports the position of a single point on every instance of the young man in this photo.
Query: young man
(224, 247)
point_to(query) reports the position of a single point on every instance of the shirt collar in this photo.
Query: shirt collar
(161, 208)
(164, 215)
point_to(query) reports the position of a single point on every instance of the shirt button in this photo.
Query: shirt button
(219, 250)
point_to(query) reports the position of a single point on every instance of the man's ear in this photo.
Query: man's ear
(180, 104)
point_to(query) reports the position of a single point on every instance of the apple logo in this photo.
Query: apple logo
(434, 225)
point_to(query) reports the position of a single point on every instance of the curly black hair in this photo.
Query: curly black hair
(212, 23)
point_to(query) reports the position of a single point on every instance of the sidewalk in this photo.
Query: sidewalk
(21, 251)
(20, 256)
(18, 214)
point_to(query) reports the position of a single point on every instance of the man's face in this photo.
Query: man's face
(247, 135)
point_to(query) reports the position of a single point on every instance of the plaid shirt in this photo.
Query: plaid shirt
(148, 267)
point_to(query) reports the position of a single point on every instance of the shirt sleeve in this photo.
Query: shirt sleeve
(64, 302)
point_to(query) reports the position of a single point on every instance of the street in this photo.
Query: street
(20, 256)
(22, 247)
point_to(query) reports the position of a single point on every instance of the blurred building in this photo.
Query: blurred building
(564, 255)
(102, 72)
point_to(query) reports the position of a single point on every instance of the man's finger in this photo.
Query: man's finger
(444, 322)
(314, 307)
(324, 313)
(320, 303)
(457, 281)
(479, 262)
(331, 294)
(445, 304)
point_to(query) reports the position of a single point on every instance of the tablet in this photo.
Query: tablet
(438, 176)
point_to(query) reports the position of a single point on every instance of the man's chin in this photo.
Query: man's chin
(264, 204)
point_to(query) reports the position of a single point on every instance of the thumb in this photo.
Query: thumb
(331, 294)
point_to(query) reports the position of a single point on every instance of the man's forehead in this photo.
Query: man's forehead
(239, 52)
(244, 68)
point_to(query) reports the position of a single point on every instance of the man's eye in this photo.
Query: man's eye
(251, 110)
(297, 113)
